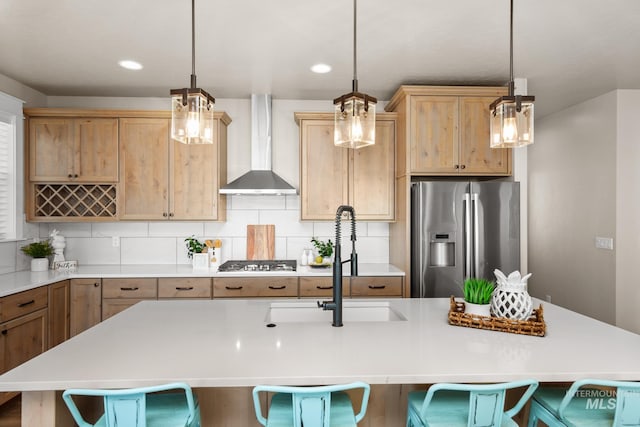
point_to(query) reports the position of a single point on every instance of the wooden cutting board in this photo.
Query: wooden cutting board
(261, 241)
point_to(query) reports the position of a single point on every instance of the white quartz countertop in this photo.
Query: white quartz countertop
(12, 283)
(216, 343)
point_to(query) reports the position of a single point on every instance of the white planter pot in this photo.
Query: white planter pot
(39, 264)
(477, 309)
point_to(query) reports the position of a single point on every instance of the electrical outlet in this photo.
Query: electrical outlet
(604, 243)
(115, 241)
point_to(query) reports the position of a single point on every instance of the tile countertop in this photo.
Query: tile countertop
(12, 283)
(226, 343)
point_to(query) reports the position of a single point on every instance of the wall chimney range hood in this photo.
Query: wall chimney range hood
(260, 180)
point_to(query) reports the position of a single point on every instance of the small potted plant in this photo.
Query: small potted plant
(477, 296)
(197, 251)
(39, 251)
(325, 250)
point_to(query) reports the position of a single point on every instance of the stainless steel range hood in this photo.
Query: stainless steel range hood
(260, 179)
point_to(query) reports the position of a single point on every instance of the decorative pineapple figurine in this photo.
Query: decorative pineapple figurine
(511, 299)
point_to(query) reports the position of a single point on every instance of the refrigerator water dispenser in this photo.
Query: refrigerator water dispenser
(442, 251)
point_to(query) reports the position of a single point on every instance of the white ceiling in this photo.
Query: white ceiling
(569, 50)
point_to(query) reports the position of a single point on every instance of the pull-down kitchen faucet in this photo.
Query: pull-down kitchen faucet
(336, 304)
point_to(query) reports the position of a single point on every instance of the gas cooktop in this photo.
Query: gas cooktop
(258, 266)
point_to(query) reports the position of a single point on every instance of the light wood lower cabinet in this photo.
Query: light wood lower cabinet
(120, 294)
(199, 287)
(243, 287)
(378, 286)
(85, 308)
(322, 287)
(23, 329)
(58, 312)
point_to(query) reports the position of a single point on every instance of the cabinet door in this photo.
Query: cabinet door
(86, 304)
(23, 338)
(50, 149)
(144, 169)
(476, 156)
(58, 313)
(324, 170)
(321, 287)
(434, 134)
(194, 181)
(373, 176)
(96, 150)
(185, 287)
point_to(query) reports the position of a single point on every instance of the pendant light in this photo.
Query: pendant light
(355, 112)
(192, 108)
(511, 123)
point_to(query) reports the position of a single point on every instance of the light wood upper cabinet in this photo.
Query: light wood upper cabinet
(73, 149)
(163, 179)
(331, 176)
(144, 168)
(445, 131)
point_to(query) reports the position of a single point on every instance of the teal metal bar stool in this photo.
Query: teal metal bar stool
(322, 406)
(587, 402)
(140, 407)
(450, 405)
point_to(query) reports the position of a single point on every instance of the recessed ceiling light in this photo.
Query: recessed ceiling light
(321, 68)
(130, 65)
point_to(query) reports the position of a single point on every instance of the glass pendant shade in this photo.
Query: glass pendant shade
(511, 123)
(192, 121)
(355, 121)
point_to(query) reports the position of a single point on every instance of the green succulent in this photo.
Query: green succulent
(38, 249)
(478, 291)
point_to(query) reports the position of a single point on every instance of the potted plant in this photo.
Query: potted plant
(197, 251)
(325, 250)
(477, 296)
(39, 251)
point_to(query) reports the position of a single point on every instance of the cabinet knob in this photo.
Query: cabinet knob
(171, 215)
(164, 214)
(95, 285)
(457, 166)
(463, 166)
(69, 176)
(4, 332)
(75, 175)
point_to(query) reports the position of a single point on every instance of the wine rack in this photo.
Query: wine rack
(75, 201)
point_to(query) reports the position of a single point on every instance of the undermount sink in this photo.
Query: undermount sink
(352, 311)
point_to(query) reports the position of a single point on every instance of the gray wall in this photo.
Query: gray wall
(572, 199)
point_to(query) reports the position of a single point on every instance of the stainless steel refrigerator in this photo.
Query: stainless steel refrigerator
(462, 229)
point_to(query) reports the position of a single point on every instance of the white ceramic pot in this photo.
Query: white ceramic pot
(39, 264)
(477, 309)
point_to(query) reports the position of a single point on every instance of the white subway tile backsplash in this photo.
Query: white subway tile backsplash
(281, 248)
(293, 202)
(152, 250)
(175, 228)
(70, 229)
(235, 226)
(260, 202)
(377, 229)
(122, 229)
(8, 257)
(97, 250)
(238, 248)
(287, 223)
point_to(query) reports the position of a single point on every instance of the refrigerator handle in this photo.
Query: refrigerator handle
(468, 235)
(476, 231)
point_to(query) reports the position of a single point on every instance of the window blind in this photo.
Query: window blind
(7, 178)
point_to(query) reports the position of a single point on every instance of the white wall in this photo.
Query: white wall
(628, 210)
(572, 199)
(163, 242)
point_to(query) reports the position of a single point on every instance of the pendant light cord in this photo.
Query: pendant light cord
(193, 44)
(511, 82)
(354, 85)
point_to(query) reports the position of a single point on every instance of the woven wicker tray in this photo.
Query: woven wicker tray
(533, 326)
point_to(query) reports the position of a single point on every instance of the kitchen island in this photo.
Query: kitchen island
(224, 347)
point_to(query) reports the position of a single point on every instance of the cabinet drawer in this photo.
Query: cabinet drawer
(184, 288)
(267, 287)
(26, 302)
(129, 288)
(321, 287)
(376, 286)
(111, 307)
